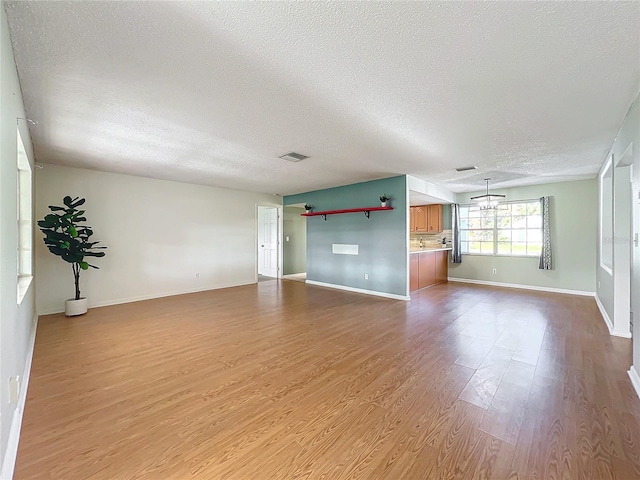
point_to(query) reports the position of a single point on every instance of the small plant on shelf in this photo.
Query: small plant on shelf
(308, 207)
(384, 198)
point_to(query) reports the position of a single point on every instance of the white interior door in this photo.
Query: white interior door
(268, 241)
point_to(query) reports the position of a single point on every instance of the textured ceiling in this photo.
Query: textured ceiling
(213, 93)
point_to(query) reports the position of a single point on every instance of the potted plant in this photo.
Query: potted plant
(66, 237)
(384, 198)
(308, 208)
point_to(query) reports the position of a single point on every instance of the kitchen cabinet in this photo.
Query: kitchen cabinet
(442, 266)
(434, 218)
(425, 218)
(421, 220)
(413, 272)
(428, 268)
(412, 219)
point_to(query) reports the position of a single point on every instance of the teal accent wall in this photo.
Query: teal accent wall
(381, 239)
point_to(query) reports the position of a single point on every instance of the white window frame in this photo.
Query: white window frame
(24, 196)
(495, 250)
(606, 172)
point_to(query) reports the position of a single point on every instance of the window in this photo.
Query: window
(513, 229)
(25, 221)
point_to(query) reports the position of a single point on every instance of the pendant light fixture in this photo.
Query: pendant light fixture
(487, 201)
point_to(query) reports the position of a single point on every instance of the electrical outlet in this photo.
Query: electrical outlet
(197, 275)
(287, 238)
(495, 271)
(366, 276)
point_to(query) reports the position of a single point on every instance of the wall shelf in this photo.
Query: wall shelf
(365, 210)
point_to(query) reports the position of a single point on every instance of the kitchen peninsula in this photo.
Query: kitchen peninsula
(428, 267)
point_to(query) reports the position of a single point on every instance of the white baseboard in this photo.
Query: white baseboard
(140, 298)
(604, 314)
(608, 321)
(359, 290)
(617, 333)
(524, 287)
(11, 453)
(635, 379)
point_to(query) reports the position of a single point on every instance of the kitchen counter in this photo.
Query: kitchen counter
(429, 268)
(429, 249)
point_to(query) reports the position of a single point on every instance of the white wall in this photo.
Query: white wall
(159, 234)
(628, 136)
(573, 222)
(295, 241)
(17, 321)
(437, 193)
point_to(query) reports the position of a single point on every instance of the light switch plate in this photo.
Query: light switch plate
(14, 389)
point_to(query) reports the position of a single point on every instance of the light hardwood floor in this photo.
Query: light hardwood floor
(283, 380)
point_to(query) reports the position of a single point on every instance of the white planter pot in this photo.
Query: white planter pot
(383, 204)
(75, 307)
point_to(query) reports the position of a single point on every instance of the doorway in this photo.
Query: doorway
(268, 234)
(294, 249)
(623, 251)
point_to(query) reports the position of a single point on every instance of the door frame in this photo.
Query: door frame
(302, 210)
(623, 228)
(278, 207)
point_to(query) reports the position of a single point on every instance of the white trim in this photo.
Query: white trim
(24, 281)
(524, 287)
(140, 298)
(635, 379)
(604, 314)
(407, 232)
(617, 333)
(359, 290)
(280, 241)
(11, 452)
(603, 170)
(607, 320)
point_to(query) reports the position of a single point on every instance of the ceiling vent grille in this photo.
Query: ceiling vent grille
(466, 169)
(293, 157)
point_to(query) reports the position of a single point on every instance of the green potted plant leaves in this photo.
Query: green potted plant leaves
(66, 237)
(308, 208)
(384, 198)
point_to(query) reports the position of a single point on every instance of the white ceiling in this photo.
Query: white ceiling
(213, 93)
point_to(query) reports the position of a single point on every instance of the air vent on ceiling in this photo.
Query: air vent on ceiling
(466, 169)
(293, 156)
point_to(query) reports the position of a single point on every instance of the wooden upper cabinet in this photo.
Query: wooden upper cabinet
(434, 218)
(412, 219)
(426, 218)
(421, 221)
